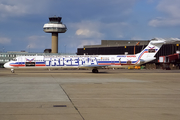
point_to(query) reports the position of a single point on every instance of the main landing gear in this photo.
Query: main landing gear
(94, 70)
(12, 70)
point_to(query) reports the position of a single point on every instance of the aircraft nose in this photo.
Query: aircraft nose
(6, 65)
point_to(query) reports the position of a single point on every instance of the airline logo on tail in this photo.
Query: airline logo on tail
(152, 47)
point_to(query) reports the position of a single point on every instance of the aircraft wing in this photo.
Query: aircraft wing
(93, 66)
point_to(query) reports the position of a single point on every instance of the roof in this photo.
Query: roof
(114, 43)
(117, 43)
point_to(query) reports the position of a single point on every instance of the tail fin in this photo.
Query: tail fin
(150, 51)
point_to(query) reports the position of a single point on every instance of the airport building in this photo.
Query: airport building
(115, 47)
(55, 26)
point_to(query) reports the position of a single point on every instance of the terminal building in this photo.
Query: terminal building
(115, 47)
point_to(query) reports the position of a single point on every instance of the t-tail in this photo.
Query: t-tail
(150, 51)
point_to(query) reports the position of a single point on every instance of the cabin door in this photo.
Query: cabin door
(20, 61)
(119, 61)
(113, 61)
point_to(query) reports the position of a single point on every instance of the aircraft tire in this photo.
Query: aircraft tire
(94, 70)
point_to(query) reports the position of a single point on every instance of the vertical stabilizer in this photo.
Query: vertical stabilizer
(150, 51)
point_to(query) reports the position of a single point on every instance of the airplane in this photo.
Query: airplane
(93, 62)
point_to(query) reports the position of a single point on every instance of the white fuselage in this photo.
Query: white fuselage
(93, 62)
(82, 61)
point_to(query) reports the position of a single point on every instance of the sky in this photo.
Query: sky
(88, 22)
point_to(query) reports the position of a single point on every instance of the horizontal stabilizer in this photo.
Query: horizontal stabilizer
(164, 41)
(157, 42)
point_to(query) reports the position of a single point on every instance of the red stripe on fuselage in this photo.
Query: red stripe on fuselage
(40, 65)
(109, 64)
(104, 63)
(141, 56)
(14, 65)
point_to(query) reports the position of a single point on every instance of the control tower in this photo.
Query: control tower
(54, 26)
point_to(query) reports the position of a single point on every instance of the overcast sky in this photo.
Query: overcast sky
(88, 22)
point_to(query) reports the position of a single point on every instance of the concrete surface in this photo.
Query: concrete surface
(82, 95)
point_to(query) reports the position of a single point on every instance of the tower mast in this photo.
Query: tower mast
(54, 26)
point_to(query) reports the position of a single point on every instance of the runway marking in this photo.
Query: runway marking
(71, 102)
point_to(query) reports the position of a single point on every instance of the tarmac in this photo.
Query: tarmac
(81, 95)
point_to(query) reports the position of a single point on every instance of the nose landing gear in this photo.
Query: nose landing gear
(12, 70)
